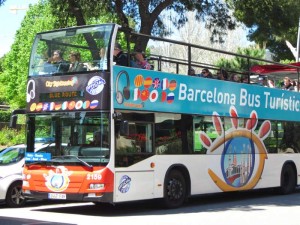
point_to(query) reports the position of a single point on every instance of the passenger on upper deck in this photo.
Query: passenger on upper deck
(103, 59)
(271, 83)
(75, 64)
(235, 78)
(99, 65)
(222, 74)
(206, 73)
(245, 79)
(191, 72)
(287, 84)
(140, 61)
(296, 86)
(58, 61)
(120, 58)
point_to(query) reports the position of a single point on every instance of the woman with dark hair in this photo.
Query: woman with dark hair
(206, 73)
(222, 74)
(59, 62)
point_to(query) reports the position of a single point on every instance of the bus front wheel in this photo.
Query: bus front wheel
(174, 189)
(288, 179)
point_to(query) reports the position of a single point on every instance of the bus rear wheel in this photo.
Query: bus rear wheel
(288, 179)
(174, 189)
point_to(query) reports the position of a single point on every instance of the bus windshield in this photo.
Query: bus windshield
(75, 137)
(71, 50)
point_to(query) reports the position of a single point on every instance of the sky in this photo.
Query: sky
(10, 21)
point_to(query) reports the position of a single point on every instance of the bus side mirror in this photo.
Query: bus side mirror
(124, 128)
(14, 117)
(13, 121)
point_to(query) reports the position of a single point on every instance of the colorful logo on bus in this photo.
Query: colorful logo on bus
(58, 180)
(95, 85)
(146, 88)
(242, 151)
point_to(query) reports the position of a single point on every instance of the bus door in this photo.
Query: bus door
(134, 178)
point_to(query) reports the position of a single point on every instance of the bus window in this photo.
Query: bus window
(84, 44)
(205, 124)
(289, 143)
(135, 146)
(271, 142)
(167, 134)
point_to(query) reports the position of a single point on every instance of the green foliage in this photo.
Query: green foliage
(10, 137)
(270, 22)
(239, 63)
(15, 64)
(4, 116)
(1, 63)
(286, 61)
(148, 16)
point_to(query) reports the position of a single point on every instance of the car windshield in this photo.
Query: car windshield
(12, 155)
(76, 137)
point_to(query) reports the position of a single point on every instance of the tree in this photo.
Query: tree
(195, 32)
(148, 14)
(15, 63)
(270, 22)
(240, 64)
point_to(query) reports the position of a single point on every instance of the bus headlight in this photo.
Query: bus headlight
(97, 186)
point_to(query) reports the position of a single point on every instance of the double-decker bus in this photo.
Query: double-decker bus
(125, 134)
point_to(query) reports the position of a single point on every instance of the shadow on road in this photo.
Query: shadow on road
(21, 221)
(241, 201)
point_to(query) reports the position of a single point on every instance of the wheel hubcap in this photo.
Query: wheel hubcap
(175, 189)
(17, 196)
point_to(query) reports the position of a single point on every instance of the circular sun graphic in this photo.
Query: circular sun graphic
(243, 152)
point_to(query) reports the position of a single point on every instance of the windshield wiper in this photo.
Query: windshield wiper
(70, 157)
(30, 163)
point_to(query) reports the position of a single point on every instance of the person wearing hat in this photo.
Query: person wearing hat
(120, 58)
(140, 61)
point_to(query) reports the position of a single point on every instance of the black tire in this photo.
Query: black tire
(14, 195)
(288, 179)
(174, 189)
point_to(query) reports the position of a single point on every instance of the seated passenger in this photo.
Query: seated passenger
(191, 72)
(59, 63)
(287, 84)
(103, 59)
(222, 74)
(244, 79)
(139, 61)
(75, 64)
(205, 73)
(120, 58)
(99, 65)
(271, 84)
(235, 78)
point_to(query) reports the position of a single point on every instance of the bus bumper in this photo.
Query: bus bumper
(106, 197)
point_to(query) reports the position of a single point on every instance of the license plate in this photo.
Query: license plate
(57, 196)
